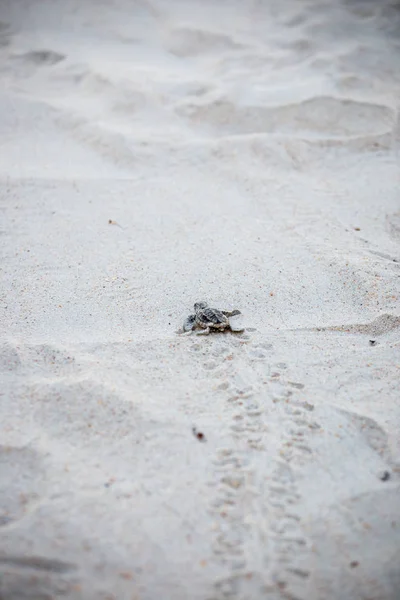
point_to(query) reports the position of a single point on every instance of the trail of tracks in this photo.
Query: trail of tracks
(258, 537)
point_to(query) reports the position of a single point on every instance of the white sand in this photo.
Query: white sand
(246, 154)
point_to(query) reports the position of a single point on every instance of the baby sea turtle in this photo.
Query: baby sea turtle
(210, 319)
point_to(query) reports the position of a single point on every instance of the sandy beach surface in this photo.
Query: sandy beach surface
(153, 154)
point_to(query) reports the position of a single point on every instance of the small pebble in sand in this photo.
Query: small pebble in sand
(111, 222)
(199, 435)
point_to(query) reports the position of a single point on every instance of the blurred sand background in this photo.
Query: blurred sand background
(152, 154)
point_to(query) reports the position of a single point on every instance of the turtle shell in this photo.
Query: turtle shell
(211, 315)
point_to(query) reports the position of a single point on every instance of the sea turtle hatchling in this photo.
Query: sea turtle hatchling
(210, 319)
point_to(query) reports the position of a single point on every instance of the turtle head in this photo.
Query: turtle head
(200, 306)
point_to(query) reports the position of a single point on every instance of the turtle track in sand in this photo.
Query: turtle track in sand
(257, 536)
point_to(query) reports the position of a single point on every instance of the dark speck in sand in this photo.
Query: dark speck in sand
(199, 435)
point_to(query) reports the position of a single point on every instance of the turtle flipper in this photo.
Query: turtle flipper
(189, 323)
(231, 313)
(204, 331)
